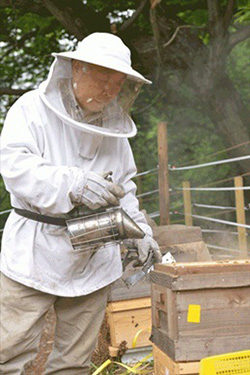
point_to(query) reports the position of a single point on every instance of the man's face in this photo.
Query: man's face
(94, 86)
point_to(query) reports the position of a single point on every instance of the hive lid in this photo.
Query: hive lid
(191, 268)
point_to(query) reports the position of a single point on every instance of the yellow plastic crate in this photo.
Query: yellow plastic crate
(237, 363)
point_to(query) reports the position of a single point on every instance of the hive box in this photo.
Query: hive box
(164, 365)
(201, 309)
(129, 313)
(130, 321)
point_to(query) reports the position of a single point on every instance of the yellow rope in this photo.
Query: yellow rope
(134, 369)
(102, 367)
(134, 342)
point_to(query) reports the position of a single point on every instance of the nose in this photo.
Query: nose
(107, 91)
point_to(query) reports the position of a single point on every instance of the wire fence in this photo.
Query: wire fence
(238, 210)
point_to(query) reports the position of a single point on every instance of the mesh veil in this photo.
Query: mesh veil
(113, 120)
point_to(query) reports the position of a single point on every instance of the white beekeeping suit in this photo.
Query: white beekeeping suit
(48, 145)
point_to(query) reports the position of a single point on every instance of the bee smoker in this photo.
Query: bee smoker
(87, 233)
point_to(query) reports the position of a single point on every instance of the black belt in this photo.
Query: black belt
(42, 218)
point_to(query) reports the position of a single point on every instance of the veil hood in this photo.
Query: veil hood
(110, 52)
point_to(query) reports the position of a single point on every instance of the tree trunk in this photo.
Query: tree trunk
(222, 103)
(230, 116)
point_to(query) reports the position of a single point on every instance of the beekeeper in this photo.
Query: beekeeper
(58, 143)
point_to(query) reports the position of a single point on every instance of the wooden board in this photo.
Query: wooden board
(198, 281)
(164, 365)
(241, 216)
(183, 242)
(133, 304)
(119, 291)
(164, 311)
(182, 268)
(127, 318)
(188, 252)
(195, 349)
(223, 312)
(202, 275)
(167, 235)
(163, 173)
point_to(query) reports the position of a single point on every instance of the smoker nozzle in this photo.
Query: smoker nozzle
(87, 233)
(129, 228)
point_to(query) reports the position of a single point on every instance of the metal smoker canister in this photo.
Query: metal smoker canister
(87, 233)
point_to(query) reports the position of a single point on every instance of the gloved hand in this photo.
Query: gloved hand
(143, 247)
(99, 192)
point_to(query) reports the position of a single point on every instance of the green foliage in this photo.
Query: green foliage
(5, 205)
(243, 15)
(198, 17)
(27, 43)
(239, 69)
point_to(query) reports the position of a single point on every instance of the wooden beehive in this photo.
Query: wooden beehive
(201, 309)
(164, 365)
(183, 242)
(130, 320)
(127, 312)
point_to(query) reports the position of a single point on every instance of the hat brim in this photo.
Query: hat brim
(105, 62)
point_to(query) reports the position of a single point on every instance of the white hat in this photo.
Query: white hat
(106, 50)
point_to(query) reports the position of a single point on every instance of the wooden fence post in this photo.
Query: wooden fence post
(187, 203)
(163, 173)
(240, 215)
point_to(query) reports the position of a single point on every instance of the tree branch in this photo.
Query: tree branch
(213, 17)
(213, 10)
(72, 22)
(10, 91)
(157, 39)
(178, 29)
(135, 15)
(239, 36)
(228, 14)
